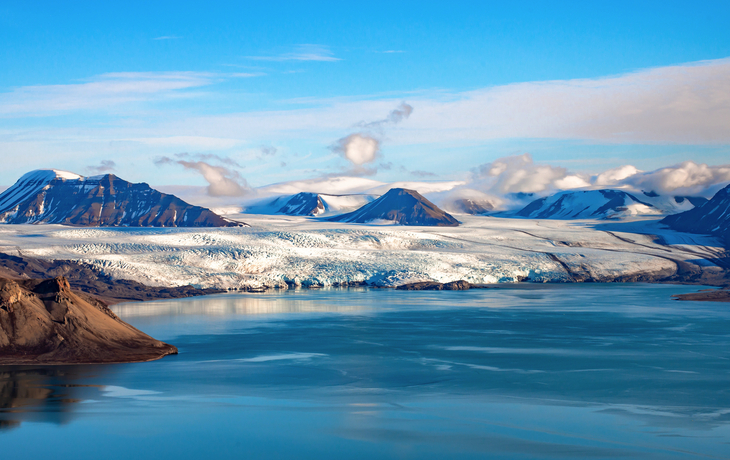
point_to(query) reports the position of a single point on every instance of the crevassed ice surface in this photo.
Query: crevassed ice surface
(283, 249)
(537, 372)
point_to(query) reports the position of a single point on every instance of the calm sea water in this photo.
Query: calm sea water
(569, 371)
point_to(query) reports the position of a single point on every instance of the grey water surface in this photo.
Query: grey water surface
(558, 371)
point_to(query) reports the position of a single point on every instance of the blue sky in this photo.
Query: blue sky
(267, 90)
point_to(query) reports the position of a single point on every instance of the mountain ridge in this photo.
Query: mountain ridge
(60, 197)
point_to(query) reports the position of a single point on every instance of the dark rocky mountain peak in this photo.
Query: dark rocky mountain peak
(303, 204)
(402, 206)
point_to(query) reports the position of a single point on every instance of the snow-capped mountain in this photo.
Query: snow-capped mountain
(60, 197)
(669, 204)
(588, 204)
(309, 204)
(711, 218)
(303, 204)
(401, 206)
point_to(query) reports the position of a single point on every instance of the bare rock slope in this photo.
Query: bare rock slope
(45, 322)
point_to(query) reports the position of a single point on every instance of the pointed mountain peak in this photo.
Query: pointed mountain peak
(401, 206)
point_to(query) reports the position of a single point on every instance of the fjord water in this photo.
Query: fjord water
(560, 371)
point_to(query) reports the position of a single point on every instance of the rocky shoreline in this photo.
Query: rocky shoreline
(85, 278)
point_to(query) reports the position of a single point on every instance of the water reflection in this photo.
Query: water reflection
(42, 394)
(243, 304)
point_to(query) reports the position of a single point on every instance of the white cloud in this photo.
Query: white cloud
(688, 178)
(304, 52)
(222, 180)
(420, 186)
(688, 104)
(105, 91)
(189, 142)
(616, 175)
(358, 148)
(519, 174)
(364, 146)
(331, 185)
(678, 104)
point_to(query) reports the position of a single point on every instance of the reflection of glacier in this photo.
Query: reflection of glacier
(233, 304)
(286, 250)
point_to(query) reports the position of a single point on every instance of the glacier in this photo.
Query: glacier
(283, 251)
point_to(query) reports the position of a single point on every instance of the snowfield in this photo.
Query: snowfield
(285, 250)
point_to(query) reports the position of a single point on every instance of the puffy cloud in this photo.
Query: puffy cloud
(519, 174)
(616, 175)
(685, 178)
(688, 178)
(222, 180)
(358, 148)
(363, 147)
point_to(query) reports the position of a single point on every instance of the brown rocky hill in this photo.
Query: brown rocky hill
(45, 322)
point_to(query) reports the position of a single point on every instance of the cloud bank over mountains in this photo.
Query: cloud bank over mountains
(667, 106)
(520, 174)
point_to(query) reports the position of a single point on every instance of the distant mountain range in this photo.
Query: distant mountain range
(710, 218)
(402, 206)
(60, 197)
(606, 204)
(589, 204)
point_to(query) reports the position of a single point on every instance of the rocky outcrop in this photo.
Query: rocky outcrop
(401, 206)
(709, 295)
(45, 322)
(58, 197)
(460, 285)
